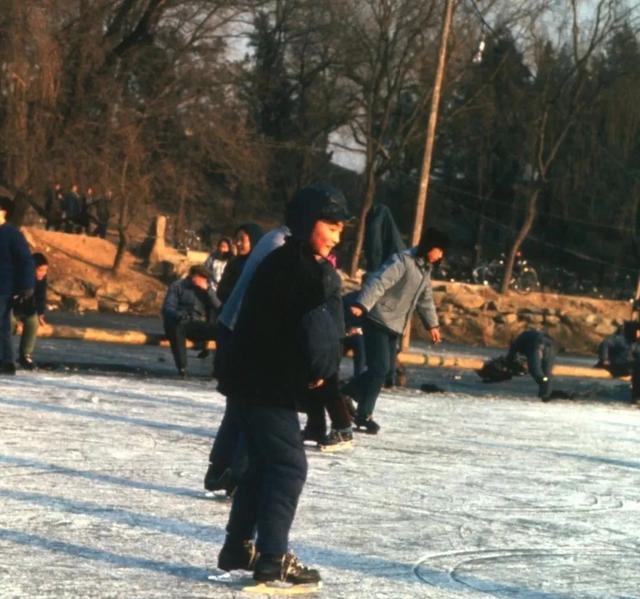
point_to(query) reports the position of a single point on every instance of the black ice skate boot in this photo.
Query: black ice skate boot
(27, 362)
(337, 441)
(544, 389)
(237, 555)
(285, 571)
(367, 423)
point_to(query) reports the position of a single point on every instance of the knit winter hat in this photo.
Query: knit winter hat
(319, 201)
(432, 238)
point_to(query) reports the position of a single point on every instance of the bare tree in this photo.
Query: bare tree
(558, 100)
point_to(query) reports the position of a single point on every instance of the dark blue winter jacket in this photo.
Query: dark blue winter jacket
(17, 270)
(184, 302)
(381, 238)
(285, 336)
(36, 304)
(540, 351)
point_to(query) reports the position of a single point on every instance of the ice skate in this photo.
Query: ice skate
(27, 362)
(237, 556)
(283, 575)
(366, 423)
(337, 441)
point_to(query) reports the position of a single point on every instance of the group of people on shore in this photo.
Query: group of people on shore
(74, 212)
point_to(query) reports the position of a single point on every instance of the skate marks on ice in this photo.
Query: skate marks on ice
(542, 573)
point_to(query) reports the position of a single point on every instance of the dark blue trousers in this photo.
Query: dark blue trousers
(267, 496)
(380, 349)
(229, 449)
(6, 344)
(356, 344)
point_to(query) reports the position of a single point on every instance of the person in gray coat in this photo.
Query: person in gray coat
(386, 302)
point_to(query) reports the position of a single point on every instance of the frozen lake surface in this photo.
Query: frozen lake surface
(481, 491)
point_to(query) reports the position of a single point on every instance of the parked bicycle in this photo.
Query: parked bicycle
(524, 278)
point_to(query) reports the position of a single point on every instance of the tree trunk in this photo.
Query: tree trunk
(370, 192)
(123, 240)
(522, 235)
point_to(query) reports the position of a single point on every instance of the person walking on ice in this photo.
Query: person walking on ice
(387, 301)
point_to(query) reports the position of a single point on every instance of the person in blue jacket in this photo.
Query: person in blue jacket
(31, 312)
(17, 280)
(188, 312)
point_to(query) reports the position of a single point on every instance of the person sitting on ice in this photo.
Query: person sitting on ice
(614, 355)
(188, 312)
(540, 351)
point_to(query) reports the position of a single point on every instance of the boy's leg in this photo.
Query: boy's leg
(174, 332)
(316, 426)
(29, 335)
(379, 359)
(267, 496)
(225, 446)
(6, 343)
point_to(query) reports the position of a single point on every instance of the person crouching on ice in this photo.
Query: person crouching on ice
(540, 351)
(276, 356)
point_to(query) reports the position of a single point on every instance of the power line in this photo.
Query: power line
(547, 215)
(541, 242)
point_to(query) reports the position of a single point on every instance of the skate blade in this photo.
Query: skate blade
(282, 588)
(346, 445)
(217, 495)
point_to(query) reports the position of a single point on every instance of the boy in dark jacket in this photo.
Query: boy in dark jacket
(282, 346)
(17, 280)
(30, 312)
(188, 312)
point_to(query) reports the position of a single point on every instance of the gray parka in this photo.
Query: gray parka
(402, 284)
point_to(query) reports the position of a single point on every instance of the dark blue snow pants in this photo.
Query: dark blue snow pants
(540, 359)
(267, 496)
(229, 448)
(380, 348)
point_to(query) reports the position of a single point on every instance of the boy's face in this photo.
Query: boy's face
(434, 255)
(41, 271)
(243, 243)
(223, 247)
(200, 281)
(325, 236)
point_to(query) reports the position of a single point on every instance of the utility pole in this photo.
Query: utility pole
(421, 202)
